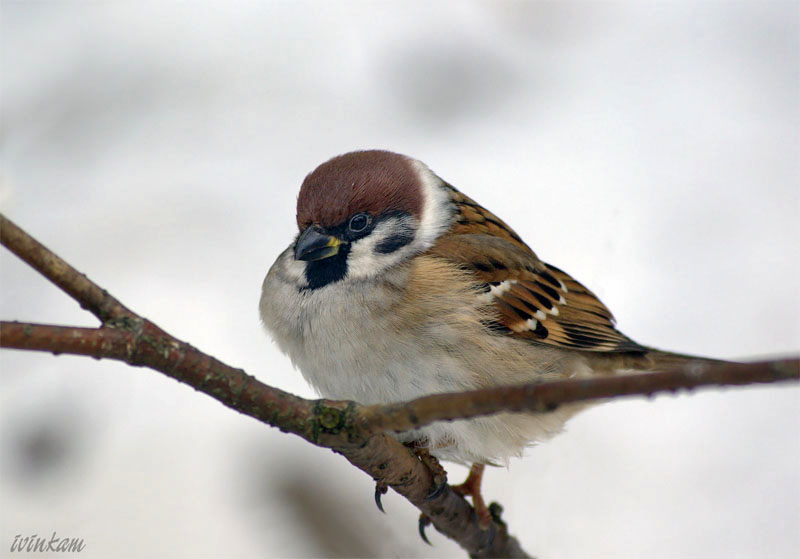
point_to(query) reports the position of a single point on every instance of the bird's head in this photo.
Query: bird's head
(363, 212)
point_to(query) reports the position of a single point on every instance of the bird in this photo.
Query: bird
(397, 285)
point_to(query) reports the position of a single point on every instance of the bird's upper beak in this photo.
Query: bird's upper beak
(313, 244)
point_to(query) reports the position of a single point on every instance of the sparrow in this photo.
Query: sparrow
(398, 285)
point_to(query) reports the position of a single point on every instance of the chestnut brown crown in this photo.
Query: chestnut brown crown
(371, 181)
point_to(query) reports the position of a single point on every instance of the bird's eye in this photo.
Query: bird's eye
(358, 223)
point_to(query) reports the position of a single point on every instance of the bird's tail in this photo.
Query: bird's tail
(666, 360)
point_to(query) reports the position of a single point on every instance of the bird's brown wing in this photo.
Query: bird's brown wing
(534, 301)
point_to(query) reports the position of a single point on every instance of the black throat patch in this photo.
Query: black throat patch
(320, 273)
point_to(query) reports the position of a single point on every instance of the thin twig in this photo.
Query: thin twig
(89, 295)
(544, 397)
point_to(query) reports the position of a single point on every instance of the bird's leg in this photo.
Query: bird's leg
(472, 487)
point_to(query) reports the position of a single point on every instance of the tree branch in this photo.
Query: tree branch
(547, 396)
(357, 432)
(90, 296)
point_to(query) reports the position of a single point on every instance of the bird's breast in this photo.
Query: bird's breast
(361, 341)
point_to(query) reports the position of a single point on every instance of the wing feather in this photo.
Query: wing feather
(534, 300)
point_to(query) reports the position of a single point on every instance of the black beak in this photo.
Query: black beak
(313, 244)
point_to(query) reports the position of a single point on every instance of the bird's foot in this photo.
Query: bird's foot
(439, 482)
(437, 471)
(472, 487)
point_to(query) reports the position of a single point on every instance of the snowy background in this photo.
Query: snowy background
(648, 149)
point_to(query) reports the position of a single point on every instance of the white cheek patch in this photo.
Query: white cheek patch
(292, 270)
(365, 260)
(437, 209)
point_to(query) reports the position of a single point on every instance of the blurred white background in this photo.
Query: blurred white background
(651, 150)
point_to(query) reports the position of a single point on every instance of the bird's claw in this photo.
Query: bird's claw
(496, 512)
(424, 521)
(436, 490)
(380, 489)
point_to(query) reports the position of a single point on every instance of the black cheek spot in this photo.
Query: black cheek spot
(482, 267)
(397, 241)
